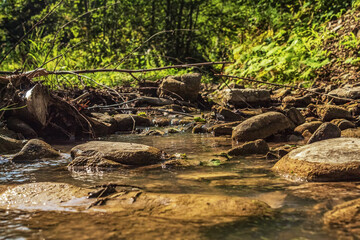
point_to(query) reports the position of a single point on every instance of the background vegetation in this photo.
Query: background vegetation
(267, 39)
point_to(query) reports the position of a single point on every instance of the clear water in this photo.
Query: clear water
(299, 206)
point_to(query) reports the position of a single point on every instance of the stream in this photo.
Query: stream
(299, 206)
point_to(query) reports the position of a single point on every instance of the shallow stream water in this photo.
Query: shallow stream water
(299, 206)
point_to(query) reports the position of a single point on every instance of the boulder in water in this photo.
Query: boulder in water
(102, 155)
(260, 126)
(35, 149)
(334, 159)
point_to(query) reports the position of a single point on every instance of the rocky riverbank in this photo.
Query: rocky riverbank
(300, 134)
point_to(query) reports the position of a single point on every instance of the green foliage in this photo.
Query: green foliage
(268, 39)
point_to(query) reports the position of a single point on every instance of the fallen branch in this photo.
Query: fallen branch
(148, 110)
(284, 85)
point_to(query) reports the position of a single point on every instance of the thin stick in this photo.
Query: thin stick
(152, 109)
(284, 85)
(139, 70)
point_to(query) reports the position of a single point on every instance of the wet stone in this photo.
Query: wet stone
(344, 220)
(260, 126)
(35, 149)
(328, 160)
(102, 155)
(254, 147)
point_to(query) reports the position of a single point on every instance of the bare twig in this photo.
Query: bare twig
(139, 70)
(285, 85)
(147, 40)
(151, 109)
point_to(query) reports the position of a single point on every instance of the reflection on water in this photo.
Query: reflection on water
(298, 212)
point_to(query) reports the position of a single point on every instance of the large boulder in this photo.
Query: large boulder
(102, 155)
(344, 219)
(243, 97)
(10, 145)
(35, 149)
(261, 126)
(325, 131)
(186, 86)
(328, 160)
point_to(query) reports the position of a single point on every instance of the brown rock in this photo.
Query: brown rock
(344, 219)
(10, 145)
(351, 132)
(19, 126)
(101, 155)
(311, 127)
(228, 115)
(187, 86)
(126, 122)
(260, 126)
(291, 101)
(254, 147)
(240, 97)
(343, 123)
(295, 116)
(325, 131)
(33, 150)
(330, 112)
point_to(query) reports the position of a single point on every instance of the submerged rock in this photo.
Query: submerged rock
(328, 160)
(260, 126)
(325, 131)
(101, 155)
(242, 97)
(33, 150)
(185, 207)
(344, 219)
(43, 196)
(10, 145)
(255, 147)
